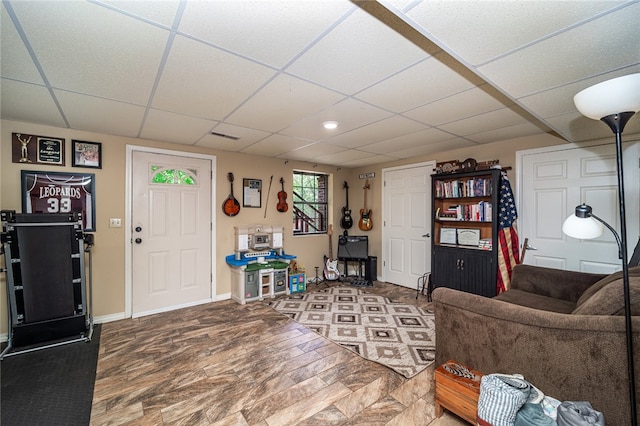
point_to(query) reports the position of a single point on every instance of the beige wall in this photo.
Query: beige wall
(108, 253)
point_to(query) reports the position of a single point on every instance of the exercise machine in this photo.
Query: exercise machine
(48, 294)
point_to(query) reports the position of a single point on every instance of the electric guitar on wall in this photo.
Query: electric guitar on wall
(346, 222)
(331, 272)
(365, 223)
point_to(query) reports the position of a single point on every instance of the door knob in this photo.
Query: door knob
(528, 247)
(138, 240)
(427, 235)
(138, 229)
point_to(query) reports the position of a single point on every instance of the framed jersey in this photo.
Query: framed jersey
(60, 192)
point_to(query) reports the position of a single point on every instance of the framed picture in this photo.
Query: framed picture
(60, 192)
(469, 237)
(36, 149)
(448, 235)
(86, 154)
(251, 192)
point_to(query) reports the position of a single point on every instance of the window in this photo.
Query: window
(163, 175)
(310, 205)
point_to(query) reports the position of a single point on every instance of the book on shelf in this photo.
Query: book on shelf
(479, 212)
(474, 187)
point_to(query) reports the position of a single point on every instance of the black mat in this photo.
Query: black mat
(50, 387)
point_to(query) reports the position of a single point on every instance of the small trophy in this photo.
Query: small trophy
(24, 158)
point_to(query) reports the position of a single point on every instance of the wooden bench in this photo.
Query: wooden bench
(457, 393)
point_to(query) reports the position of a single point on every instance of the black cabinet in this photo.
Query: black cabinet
(465, 232)
(466, 270)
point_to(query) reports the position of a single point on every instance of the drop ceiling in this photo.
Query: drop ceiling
(403, 78)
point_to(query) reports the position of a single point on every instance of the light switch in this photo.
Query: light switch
(115, 222)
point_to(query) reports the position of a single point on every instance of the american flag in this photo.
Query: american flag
(508, 248)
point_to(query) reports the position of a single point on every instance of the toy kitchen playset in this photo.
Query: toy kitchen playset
(259, 264)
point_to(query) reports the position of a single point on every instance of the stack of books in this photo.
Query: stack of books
(485, 244)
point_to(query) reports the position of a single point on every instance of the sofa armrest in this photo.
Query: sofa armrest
(569, 357)
(554, 283)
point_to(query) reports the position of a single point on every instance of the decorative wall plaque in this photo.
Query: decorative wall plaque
(34, 149)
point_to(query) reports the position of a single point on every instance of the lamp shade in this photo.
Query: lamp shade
(584, 228)
(613, 96)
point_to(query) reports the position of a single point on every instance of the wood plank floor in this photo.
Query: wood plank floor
(228, 364)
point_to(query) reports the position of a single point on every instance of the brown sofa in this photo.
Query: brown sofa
(563, 330)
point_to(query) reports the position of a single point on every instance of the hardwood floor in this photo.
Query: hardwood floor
(228, 364)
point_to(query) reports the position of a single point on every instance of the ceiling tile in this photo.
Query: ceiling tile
(206, 82)
(348, 58)
(559, 100)
(461, 105)
(93, 50)
(241, 26)
(504, 133)
(433, 148)
(100, 115)
(163, 12)
(410, 88)
(414, 140)
(350, 113)
(175, 128)
(315, 150)
(381, 130)
(581, 128)
(364, 161)
(572, 55)
(483, 122)
(282, 102)
(275, 145)
(246, 137)
(28, 102)
(20, 66)
(479, 31)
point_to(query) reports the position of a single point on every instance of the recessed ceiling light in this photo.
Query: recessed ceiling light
(330, 125)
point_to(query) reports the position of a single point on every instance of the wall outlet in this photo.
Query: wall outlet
(115, 222)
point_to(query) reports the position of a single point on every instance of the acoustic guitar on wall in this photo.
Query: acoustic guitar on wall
(365, 223)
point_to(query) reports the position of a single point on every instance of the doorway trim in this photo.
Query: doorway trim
(128, 234)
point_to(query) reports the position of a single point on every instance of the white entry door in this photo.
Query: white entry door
(553, 183)
(171, 232)
(406, 242)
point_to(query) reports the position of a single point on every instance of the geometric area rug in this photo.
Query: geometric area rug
(396, 335)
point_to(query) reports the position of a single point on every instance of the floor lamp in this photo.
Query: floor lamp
(614, 102)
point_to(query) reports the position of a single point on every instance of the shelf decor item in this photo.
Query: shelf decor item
(614, 102)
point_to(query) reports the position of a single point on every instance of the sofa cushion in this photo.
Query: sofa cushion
(633, 272)
(536, 301)
(609, 299)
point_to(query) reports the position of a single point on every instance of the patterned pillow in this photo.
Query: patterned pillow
(609, 300)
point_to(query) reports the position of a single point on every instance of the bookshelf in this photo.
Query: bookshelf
(464, 231)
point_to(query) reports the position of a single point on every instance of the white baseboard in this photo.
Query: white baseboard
(219, 297)
(109, 318)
